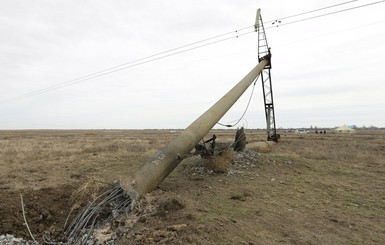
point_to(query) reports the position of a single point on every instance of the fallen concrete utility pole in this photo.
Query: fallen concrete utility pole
(159, 166)
(125, 193)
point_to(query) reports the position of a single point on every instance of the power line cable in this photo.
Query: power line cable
(365, 5)
(244, 112)
(127, 66)
(162, 54)
(326, 14)
(333, 33)
(311, 11)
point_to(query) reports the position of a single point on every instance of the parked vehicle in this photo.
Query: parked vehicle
(301, 131)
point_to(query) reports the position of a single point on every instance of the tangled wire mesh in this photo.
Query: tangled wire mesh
(103, 208)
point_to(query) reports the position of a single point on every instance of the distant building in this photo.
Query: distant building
(344, 130)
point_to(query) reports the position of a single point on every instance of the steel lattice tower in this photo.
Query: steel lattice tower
(265, 54)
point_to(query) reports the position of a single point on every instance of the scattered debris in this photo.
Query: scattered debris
(240, 140)
(10, 239)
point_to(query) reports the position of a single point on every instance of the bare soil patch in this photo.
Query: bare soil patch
(310, 189)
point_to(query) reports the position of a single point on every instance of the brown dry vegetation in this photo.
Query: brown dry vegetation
(311, 189)
(220, 163)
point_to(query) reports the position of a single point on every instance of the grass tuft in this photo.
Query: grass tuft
(220, 163)
(89, 191)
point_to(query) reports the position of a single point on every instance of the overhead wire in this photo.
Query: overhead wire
(296, 15)
(333, 33)
(244, 112)
(137, 62)
(326, 14)
(173, 51)
(310, 11)
(99, 74)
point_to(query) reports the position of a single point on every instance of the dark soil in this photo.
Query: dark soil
(46, 211)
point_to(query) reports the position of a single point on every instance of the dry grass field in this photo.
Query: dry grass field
(310, 189)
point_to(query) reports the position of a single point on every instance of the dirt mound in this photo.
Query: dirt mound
(46, 211)
(158, 219)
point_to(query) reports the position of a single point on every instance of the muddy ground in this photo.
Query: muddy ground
(310, 189)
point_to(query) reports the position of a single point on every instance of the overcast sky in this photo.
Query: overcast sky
(326, 72)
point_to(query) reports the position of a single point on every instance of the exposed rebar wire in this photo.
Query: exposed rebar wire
(46, 240)
(25, 219)
(102, 209)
